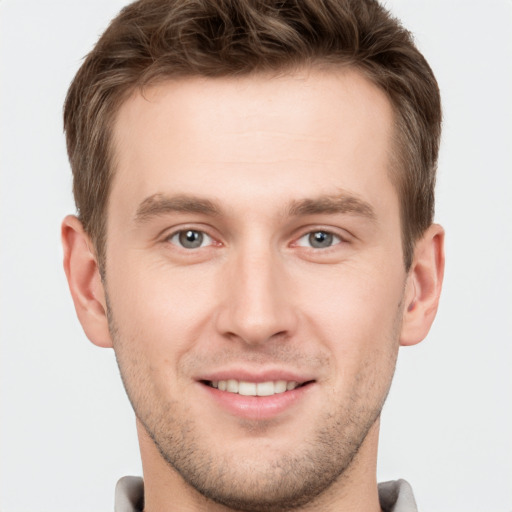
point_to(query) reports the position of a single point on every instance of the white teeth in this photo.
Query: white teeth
(280, 386)
(232, 386)
(265, 388)
(247, 389)
(268, 388)
(291, 385)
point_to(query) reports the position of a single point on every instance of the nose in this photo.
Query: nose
(258, 299)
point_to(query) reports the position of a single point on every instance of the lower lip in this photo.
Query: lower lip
(257, 407)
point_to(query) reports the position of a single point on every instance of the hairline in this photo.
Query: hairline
(397, 157)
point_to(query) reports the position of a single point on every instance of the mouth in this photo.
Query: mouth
(257, 398)
(245, 388)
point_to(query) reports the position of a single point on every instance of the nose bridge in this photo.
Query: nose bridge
(257, 305)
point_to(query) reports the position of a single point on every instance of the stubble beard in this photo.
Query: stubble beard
(285, 483)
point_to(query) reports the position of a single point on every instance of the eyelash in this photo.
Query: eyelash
(331, 237)
(175, 238)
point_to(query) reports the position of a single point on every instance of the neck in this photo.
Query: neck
(166, 491)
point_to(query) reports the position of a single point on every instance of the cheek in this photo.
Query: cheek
(355, 311)
(358, 321)
(163, 311)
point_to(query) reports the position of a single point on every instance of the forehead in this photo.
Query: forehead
(312, 129)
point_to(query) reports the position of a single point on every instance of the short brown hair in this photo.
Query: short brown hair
(151, 40)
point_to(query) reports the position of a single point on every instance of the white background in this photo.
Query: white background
(67, 430)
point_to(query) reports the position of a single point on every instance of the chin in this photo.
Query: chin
(281, 476)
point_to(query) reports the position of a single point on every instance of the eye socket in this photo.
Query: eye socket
(318, 240)
(190, 239)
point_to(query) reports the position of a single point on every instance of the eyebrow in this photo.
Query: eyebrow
(333, 204)
(158, 204)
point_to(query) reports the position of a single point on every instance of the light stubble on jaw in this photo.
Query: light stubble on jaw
(287, 483)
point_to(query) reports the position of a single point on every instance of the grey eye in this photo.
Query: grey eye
(318, 240)
(190, 239)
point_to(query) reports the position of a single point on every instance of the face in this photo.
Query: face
(255, 276)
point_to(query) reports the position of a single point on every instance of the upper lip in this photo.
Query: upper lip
(262, 375)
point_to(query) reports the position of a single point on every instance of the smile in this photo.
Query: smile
(245, 388)
(259, 397)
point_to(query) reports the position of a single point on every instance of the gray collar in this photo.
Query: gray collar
(394, 496)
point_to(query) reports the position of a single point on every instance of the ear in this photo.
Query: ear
(423, 286)
(82, 272)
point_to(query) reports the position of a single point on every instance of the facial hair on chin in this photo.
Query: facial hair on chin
(286, 482)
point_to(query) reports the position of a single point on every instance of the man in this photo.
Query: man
(255, 239)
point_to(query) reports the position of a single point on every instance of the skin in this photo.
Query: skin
(270, 159)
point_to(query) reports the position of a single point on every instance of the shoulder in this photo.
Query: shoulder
(129, 494)
(397, 496)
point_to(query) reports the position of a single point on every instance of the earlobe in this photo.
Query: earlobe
(423, 287)
(84, 280)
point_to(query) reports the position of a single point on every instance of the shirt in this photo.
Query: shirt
(394, 496)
